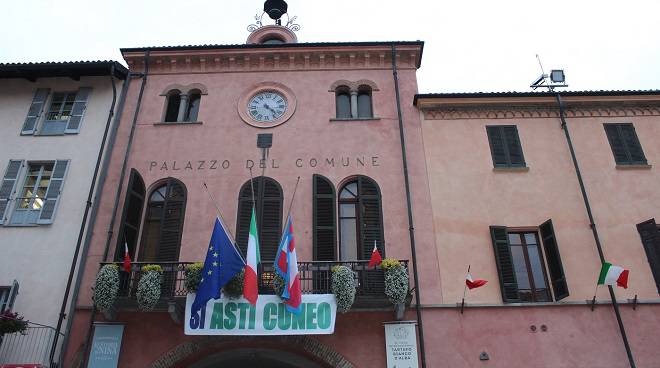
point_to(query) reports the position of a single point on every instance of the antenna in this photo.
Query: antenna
(557, 78)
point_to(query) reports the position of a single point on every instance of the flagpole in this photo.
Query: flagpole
(215, 204)
(464, 290)
(292, 198)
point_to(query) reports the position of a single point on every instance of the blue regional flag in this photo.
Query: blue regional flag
(222, 263)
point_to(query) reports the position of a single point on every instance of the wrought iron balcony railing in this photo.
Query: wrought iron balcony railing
(315, 278)
(29, 347)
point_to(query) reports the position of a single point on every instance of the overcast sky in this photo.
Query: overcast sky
(476, 45)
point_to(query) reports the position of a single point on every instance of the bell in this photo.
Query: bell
(275, 8)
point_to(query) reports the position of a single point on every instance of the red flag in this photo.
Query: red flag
(127, 258)
(376, 259)
(473, 284)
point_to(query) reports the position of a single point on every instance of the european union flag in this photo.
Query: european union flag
(222, 263)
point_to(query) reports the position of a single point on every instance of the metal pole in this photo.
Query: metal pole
(411, 227)
(594, 231)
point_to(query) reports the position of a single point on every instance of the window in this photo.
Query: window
(522, 271)
(8, 296)
(64, 113)
(360, 219)
(505, 146)
(354, 102)
(649, 231)
(36, 200)
(625, 144)
(130, 220)
(182, 107)
(269, 201)
(163, 223)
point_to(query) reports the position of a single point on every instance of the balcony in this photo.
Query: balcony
(30, 347)
(315, 278)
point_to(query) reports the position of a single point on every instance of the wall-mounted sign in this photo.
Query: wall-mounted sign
(105, 346)
(273, 163)
(269, 317)
(401, 345)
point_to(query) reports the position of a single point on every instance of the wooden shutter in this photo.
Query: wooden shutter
(323, 220)
(53, 193)
(171, 226)
(648, 231)
(504, 262)
(497, 146)
(8, 184)
(37, 106)
(268, 197)
(78, 110)
(370, 217)
(632, 144)
(243, 216)
(514, 149)
(269, 217)
(131, 216)
(551, 249)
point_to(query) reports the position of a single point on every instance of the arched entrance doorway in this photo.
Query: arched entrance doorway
(262, 358)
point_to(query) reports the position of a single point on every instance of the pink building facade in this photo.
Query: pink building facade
(188, 125)
(499, 168)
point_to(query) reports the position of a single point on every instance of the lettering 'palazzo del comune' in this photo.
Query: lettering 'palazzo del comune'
(335, 136)
(322, 162)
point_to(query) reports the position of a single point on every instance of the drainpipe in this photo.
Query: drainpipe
(594, 231)
(92, 221)
(81, 232)
(117, 196)
(411, 227)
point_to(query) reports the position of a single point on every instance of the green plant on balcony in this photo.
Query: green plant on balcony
(106, 287)
(396, 280)
(343, 286)
(234, 288)
(149, 286)
(193, 276)
(12, 323)
(278, 284)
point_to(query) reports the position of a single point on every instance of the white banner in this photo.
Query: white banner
(401, 345)
(269, 317)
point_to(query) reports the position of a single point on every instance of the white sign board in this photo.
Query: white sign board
(401, 345)
(269, 317)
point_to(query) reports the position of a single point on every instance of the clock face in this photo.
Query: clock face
(267, 106)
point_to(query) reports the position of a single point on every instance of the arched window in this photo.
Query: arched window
(269, 200)
(131, 217)
(323, 221)
(163, 223)
(360, 219)
(194, 98)
(364, 109)
(343, 102)
(173, 104)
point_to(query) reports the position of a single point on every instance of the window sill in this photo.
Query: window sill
(162, 123)
(20, 225)
(634, 167)
(353, 119)
(511, 169)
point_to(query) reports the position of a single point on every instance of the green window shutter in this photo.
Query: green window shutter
(269, 219)
(514, 148)
(632, 144)
(53, 194)
(497, 146)
(34, 113)
(8, 184)
(131, 216)
(504, 263)
(244, 215)
(557, 276)
(648, 231)
(370, 217)
(171, 226)
(78, 110)
(323, 221)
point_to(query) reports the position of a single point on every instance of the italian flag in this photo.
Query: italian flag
(613, 275)
(250, 287)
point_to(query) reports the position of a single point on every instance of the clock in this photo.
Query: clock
(267, 106)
